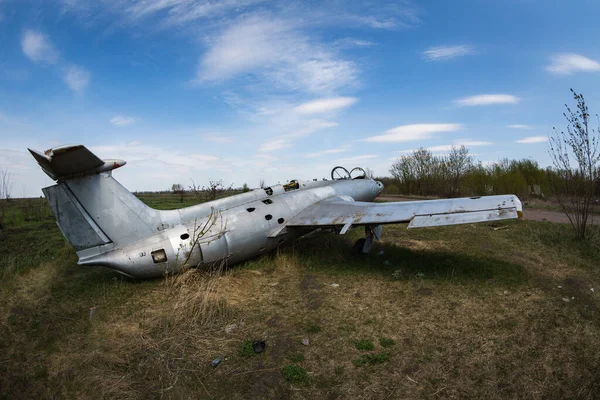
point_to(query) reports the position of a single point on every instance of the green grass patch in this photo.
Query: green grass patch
(247, 349)
(364, 345)
(296, 357)
(313, 328)
(371, 359)
(295, 374)
(387, 342)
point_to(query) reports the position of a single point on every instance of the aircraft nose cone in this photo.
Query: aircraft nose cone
(379, 186)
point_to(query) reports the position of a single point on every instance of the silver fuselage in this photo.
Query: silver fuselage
(232, 229)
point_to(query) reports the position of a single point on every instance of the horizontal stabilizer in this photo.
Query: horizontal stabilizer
(71, 161)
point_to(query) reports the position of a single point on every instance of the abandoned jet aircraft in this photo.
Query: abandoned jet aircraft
(108, 226)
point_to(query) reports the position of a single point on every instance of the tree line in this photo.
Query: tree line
(458, 174)
(573, 180)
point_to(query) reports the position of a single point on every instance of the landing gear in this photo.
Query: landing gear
(358, 245)
(364, 245)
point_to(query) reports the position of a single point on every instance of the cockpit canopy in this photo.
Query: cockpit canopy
(337, 173)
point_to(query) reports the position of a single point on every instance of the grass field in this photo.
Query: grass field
(453, 312)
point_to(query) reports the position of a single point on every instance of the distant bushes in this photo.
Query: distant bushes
(459, 174)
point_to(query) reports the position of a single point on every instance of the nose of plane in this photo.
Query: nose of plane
(379, 187)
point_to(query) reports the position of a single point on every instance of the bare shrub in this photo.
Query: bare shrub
(6, 185)
(457, 164)
(178, 190)
(576, 159)
(214, 190)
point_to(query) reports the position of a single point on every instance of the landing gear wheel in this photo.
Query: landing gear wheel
(340, 173)
(358, 245)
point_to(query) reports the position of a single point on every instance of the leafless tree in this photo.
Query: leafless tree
(576, 158)
(261, 183)
(6, 185)
(214, 190)
(456, 166)
(403, 170)
(179, 190)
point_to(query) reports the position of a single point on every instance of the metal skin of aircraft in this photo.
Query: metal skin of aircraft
(108, 226)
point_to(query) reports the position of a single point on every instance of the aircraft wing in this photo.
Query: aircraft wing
(344, 212)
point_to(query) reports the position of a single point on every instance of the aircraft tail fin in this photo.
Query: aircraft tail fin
(65, 162)
(92, 209)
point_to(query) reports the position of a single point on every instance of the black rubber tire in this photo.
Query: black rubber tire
(358, 245)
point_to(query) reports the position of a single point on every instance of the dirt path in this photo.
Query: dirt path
(532, 214)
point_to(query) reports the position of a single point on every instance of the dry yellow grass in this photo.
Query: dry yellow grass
(474, 313)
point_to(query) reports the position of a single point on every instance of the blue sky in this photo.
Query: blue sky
(244, 90)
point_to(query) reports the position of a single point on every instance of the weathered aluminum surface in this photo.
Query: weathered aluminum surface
(109, 226)
(342, 212)
(421, 221)
(75, 224)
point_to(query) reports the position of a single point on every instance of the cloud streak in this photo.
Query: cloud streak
(532, 139)
(325, 105)
(277, 51)
(305, 129)
(457, 144)
(40, 49)
(407, 133)
(519, 126)
(122, 120)
(569, 63)
(487, 99)
(443, 53)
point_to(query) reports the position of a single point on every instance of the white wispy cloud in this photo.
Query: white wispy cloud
(442, 53)
(473, 143)
(407, 133)
(302, 130)
(441, 148)
(164, 13)
(325, 105)
(276, 50)
(76, 77)
(177, 13)
(532, 139)
(487, 99)
(38, 47)
(519, 126)
(348, 43)
(459, 143)
(568, 63)
(337, 150)
(122, 120)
